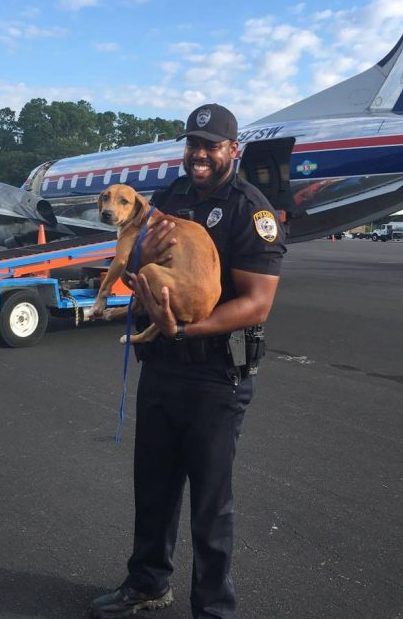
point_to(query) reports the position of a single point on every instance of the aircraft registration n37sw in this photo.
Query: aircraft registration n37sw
(331, 161)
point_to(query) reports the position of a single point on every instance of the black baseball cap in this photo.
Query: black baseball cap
(211, 122)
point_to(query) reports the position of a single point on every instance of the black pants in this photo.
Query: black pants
(188, 420)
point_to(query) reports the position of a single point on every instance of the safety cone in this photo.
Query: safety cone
(41, 235)
(42, 241)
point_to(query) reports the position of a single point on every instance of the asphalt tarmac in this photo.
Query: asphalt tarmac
(318, 474)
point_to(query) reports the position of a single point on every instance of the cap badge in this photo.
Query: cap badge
(203, 116)
(214, 217)
(266, 226)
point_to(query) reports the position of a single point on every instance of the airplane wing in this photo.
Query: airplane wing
(19, 203)
(21, 212)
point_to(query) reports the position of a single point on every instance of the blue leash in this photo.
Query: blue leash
(135, 268)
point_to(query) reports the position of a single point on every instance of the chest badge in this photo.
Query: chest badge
(266, 225)
(214, 217)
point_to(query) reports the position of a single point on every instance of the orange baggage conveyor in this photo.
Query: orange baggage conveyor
(29, 293)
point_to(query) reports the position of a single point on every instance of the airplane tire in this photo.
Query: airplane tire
(23, 319)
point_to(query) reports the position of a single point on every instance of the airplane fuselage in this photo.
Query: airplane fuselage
(341, 171)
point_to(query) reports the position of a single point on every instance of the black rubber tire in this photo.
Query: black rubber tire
(23, 319)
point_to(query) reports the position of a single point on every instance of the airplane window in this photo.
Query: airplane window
(107, 177)
(284, 171)
(263, 175)
(60, 182)
(182, 171)
(89, 178)
(74, 181)
(45, 184)
(143, 172)
(162, 170)
(124, 174)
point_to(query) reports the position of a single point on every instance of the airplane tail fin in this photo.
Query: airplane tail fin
(378, 89)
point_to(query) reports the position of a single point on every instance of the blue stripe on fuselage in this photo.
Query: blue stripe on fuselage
(349, 162)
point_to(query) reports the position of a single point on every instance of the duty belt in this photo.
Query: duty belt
(191, 350)
(221, 349)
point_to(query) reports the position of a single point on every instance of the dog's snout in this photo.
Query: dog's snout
(107, 217)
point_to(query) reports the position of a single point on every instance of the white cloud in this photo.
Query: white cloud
(184, 48)
(297, 9)
(29, 12)
(107, 47)
(324, 15)
(13, 32)
(33, 32)
(16, 95)
(223, 64)
(76, 5)
(258, 31)
(132, 3)
(170, 68)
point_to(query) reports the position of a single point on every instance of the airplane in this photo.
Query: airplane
(330, 162)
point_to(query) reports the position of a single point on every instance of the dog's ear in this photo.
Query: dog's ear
(141, 208)
(99, 202)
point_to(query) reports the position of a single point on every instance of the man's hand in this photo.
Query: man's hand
(97, 310)
(161, 315)
(157, 242)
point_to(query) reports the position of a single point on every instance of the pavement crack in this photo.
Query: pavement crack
(248, 546)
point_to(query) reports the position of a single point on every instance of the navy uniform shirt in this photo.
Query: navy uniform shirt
(239, 219)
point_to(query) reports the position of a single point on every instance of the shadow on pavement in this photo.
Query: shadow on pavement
(43, 595)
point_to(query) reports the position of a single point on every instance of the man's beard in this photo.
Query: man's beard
(217, 173)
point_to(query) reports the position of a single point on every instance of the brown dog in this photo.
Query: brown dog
(192, 275)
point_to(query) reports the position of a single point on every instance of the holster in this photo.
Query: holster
(255, 349)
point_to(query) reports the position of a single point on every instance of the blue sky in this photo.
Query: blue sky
(158, 58)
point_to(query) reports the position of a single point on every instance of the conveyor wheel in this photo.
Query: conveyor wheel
(23, 319)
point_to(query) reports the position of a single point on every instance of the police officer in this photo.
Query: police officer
(197, 379)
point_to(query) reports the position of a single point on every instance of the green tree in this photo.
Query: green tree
(106, 127)
(133, 130)
(35, 126)
(16, 165)
(8, 129)
(74, 128)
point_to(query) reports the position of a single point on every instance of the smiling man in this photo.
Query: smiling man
(197, 379)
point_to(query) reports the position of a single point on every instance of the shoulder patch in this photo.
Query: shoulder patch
(266, 225)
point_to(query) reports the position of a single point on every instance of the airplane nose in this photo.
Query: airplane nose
(107, 217)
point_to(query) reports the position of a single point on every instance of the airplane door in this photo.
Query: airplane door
(266, 164)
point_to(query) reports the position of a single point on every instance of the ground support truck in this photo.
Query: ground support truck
(60, 278)
(388, 232)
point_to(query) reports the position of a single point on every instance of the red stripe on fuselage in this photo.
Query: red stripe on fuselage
(347, 143)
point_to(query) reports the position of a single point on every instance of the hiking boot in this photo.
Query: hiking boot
(126, 601)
